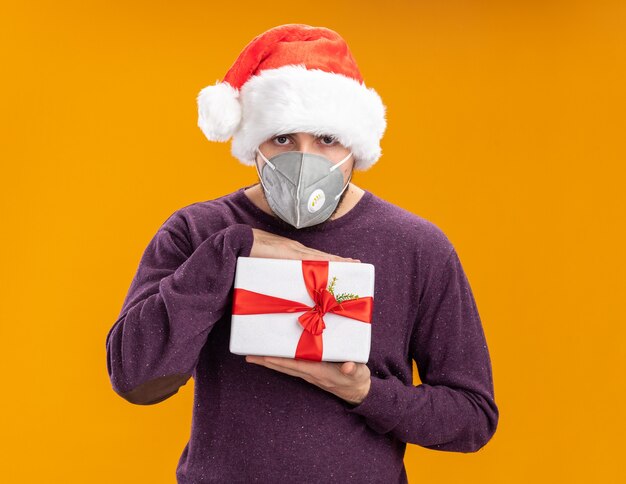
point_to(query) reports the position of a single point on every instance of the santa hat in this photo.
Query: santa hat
(294, 78)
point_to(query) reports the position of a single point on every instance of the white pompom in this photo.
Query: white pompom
(219, 111)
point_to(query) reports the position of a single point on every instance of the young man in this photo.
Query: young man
(297, 109)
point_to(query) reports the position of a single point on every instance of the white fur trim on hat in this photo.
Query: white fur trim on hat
(219, 111)
(292, 99)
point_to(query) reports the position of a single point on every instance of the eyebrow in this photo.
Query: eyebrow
(294, 133)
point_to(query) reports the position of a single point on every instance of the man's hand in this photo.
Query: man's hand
(350, 381)
(267, 244)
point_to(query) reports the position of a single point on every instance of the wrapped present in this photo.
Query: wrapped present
(304, 309)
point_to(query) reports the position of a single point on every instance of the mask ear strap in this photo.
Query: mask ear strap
(256, 165)
(347, 183)
(337, 165)
(265, 159)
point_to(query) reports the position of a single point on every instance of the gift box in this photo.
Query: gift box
(304, 309)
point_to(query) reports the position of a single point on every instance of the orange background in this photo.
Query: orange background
(506, 129)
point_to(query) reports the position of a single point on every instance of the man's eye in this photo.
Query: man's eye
(280, 139)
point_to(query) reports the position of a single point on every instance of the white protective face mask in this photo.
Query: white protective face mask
(301, 188)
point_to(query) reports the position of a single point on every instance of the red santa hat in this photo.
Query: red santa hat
(294, 78)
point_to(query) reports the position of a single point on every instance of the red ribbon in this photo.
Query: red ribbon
(315, 273)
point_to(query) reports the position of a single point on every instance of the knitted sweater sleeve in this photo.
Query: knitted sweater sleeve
(453, 409)
(174, 300)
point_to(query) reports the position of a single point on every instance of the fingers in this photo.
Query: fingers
(267, 244)
(314, 254)
(348, 368)
(281, 368)
(341, 379)
(312, 371)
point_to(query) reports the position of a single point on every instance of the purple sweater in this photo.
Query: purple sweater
(256, 424)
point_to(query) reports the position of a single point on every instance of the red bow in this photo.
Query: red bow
(315, 273)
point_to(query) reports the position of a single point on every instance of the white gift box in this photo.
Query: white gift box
(303, 309)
